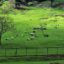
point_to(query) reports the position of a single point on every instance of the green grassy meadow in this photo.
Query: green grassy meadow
(25, 21)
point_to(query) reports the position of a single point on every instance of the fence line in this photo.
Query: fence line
(27, 47)
(33, 51)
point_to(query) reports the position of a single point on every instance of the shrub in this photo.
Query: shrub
(6, 7)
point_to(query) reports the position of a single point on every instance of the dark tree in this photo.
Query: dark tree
(5, 25)
(1, 2)
(52, 1)
(18, 3)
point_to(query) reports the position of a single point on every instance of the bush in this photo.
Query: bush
(6, 8)
(1, 3)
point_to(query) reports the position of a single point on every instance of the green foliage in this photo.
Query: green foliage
(1, 3)
(59, 1)
(5, 23)
(6, 8)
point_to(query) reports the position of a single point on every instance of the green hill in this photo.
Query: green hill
(29, 23)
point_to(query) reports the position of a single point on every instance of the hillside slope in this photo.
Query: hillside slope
(37, 27)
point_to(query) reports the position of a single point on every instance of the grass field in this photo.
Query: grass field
(26, 21)
(34, 62)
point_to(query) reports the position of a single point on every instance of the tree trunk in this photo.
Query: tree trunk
(52, 3)
(12, 3)
(0, 40)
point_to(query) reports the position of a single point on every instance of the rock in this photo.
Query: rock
(28, 39)
(32, 38)
(59, 5)
(32, 34)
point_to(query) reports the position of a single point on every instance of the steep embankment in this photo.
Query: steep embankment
(29, 23)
